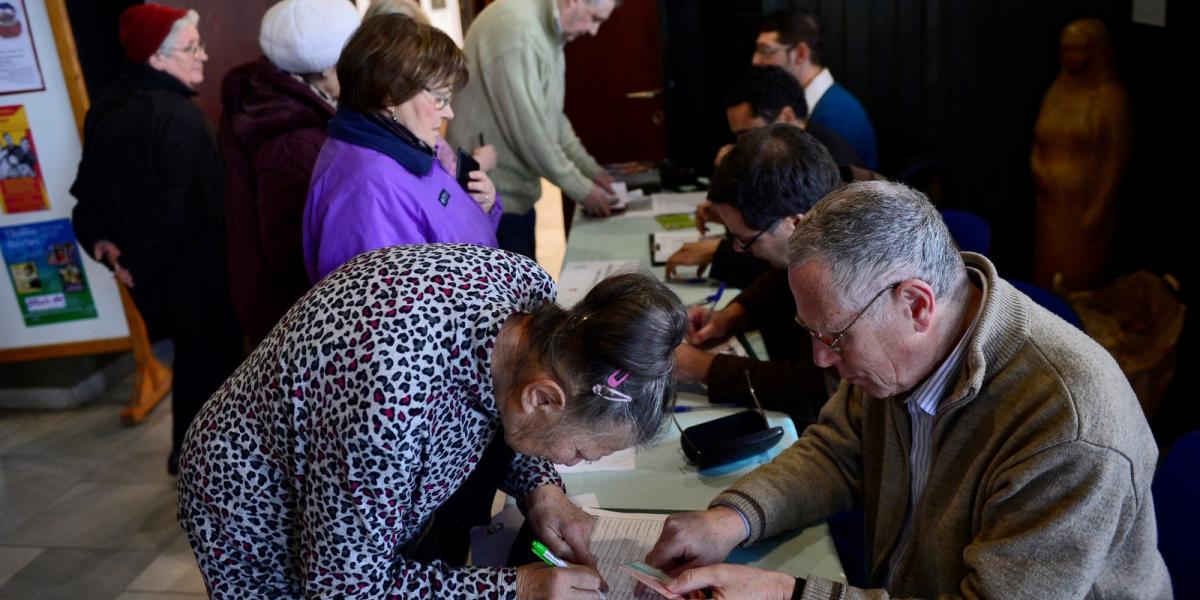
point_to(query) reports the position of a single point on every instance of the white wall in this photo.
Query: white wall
(58, 147)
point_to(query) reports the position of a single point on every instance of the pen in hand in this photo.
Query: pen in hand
(549, 558)
(713, 301)
(546, 555)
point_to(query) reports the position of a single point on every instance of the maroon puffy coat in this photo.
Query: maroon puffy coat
(272, 128)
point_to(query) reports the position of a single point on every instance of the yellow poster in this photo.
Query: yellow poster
(22, 188)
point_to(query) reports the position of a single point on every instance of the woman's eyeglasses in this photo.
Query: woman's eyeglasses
(440, 101)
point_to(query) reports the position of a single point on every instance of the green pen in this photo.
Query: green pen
(546, 555)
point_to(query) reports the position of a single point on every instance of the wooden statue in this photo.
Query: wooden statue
(1080, 150)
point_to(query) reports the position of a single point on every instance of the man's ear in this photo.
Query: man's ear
(787, 116)
(542, 394)
(920, 303)
(156, 62)
(802, 53)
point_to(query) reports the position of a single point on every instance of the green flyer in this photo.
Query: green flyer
(45, 269)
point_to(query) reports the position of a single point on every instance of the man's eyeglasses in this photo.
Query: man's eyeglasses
(440, 101)
(765, 50)
(193, 50)
(744, 246)
(834, 341)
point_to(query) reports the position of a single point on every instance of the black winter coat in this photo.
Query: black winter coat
(150, 179)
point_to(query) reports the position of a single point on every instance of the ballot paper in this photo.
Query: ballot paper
(618, 538)
(665, 243)
(672, 203)
(630, 204)
(621, 460)
(577, 278)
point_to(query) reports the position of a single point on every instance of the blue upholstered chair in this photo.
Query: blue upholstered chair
(969, 231)
(1176, 490)
(1049, 301)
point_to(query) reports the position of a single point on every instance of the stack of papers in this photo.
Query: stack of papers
(577, 278)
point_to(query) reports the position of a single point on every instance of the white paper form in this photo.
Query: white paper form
(621, 460)
(672, 203)
(666, 243)
(630, 204)
(577, 278)
(618, 538)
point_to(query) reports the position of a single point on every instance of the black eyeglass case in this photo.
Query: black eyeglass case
(729, 438)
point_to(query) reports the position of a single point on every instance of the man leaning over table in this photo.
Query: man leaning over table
(514, 101)
(996, 451)
(761, 191)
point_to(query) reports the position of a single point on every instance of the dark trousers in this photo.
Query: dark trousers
(518, 233)
(192, 308)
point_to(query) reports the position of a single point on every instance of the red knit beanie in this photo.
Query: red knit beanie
(144, 27)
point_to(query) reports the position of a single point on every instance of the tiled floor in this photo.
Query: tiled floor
(87, 510)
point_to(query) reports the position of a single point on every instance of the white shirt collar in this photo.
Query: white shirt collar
(817, 88)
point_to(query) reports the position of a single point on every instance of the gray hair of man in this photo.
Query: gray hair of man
(874, 233)
(168, 44)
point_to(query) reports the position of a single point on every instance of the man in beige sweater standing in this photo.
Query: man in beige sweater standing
(995, 450)
(514, 101)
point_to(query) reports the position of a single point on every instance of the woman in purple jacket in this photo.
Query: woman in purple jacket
(378, 181)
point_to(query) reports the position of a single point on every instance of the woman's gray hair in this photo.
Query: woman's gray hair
(168, 44)
(613, 353)
(874, 233)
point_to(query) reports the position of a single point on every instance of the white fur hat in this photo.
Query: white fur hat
(307, 36)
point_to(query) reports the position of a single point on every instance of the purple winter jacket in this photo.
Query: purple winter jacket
(369, 194)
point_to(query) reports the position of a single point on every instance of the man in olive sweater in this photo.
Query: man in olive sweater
(514, 101)
(996, 451)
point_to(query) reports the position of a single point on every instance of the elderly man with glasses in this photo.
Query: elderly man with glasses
(761, 191)
(514, 100)
(996, 451)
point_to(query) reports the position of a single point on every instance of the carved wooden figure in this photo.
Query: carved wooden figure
(1080, 150)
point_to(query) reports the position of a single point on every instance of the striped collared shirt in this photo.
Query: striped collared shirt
(922, 406)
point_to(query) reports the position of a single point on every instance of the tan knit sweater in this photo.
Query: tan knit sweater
(1039, 485)
(515, 99)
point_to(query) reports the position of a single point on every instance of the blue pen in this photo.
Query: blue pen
(713, 300)
(683, 409)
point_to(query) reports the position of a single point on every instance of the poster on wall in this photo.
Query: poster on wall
(44, 266)
(19, 68)
(22, 188)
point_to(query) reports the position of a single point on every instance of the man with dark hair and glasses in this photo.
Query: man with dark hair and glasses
(995, 450)
(792, 40)
(761, 191)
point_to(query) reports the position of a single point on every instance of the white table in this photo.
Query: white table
(663, 479)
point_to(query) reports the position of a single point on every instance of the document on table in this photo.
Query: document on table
(665, 243)
(630, 204)
(672, 203)
(618, 538)
(577, 278)
(621, 460)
